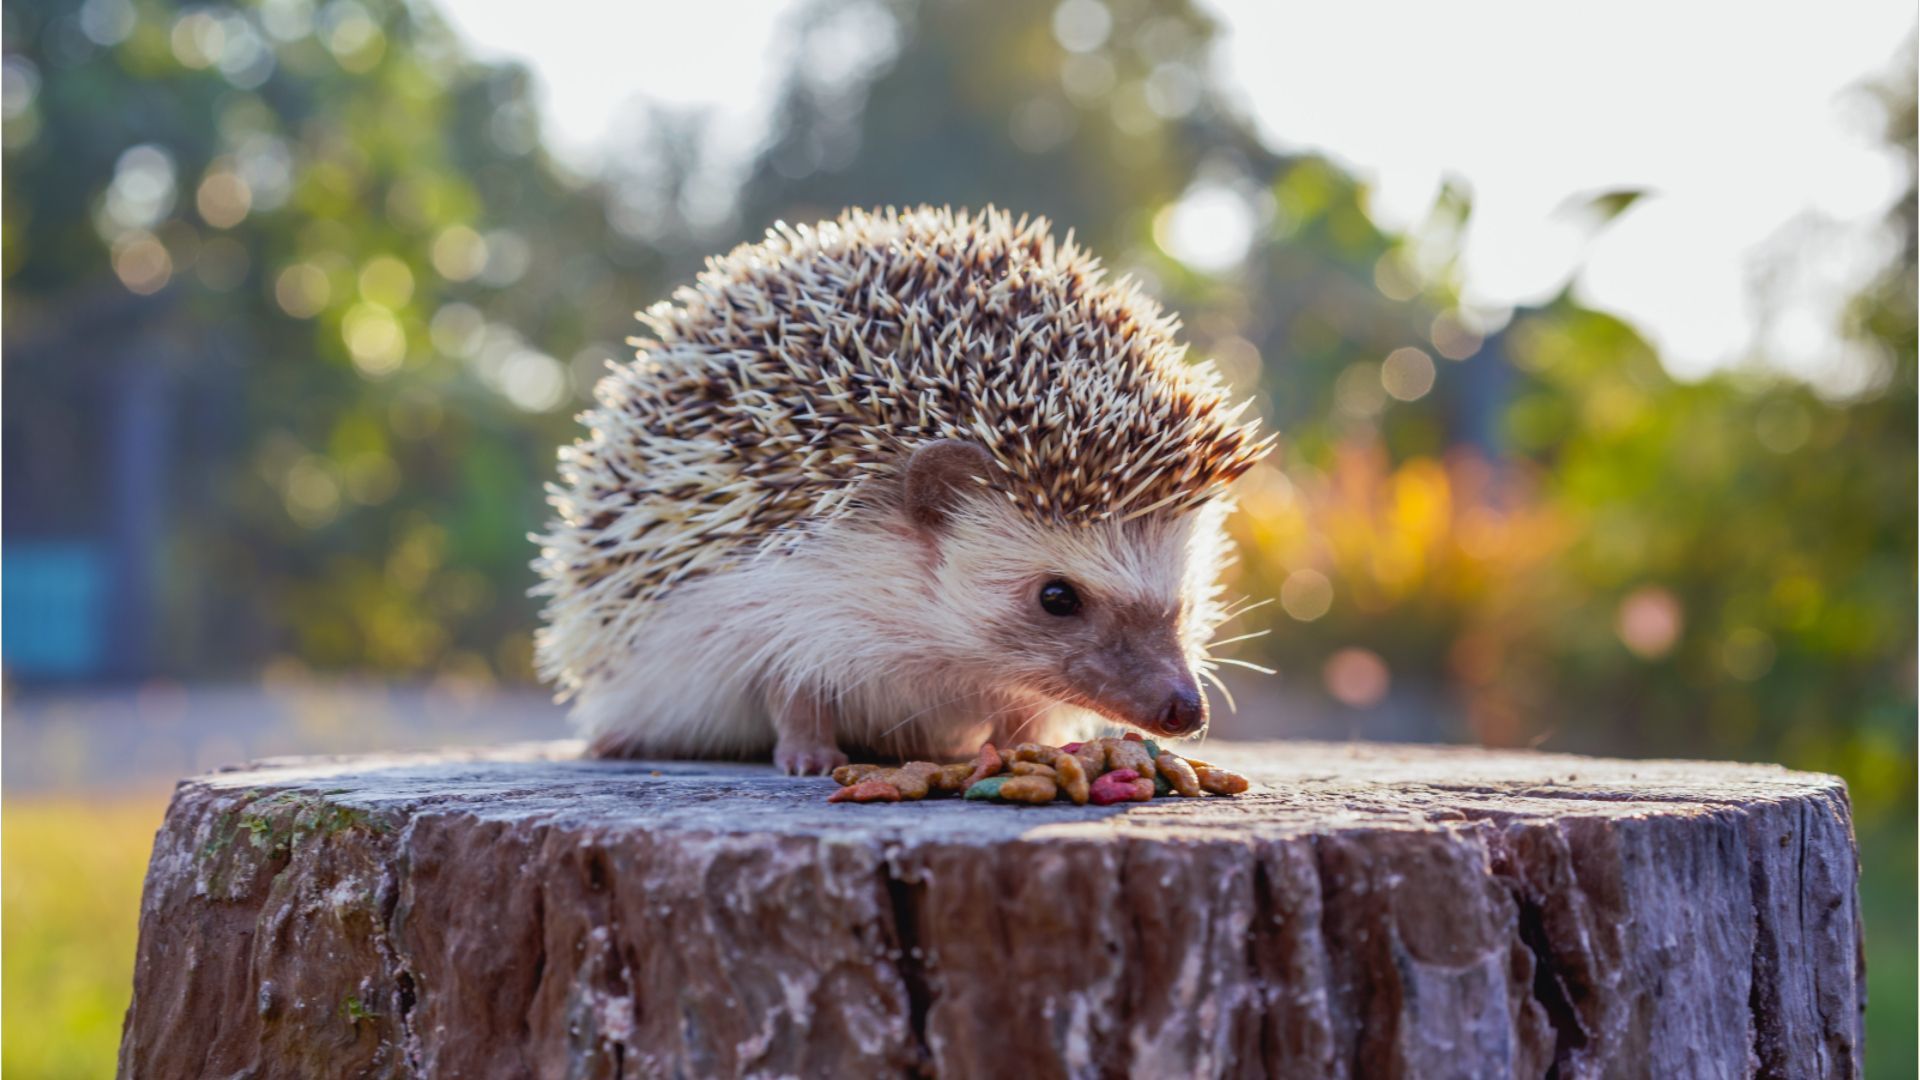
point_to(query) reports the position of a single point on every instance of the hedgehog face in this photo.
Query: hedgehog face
(1104, 617)
(1091, 616)
(1110, 648)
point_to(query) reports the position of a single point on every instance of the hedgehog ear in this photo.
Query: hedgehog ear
(936, 476)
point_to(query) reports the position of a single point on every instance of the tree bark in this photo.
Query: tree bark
(1364, 911)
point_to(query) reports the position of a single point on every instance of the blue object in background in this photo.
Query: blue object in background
(53, 614)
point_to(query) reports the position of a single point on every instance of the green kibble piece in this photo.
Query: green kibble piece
(1153, 749)
(1160, 784)
(986, 789)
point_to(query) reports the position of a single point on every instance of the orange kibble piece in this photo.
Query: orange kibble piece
(867, 791)
(986, 763)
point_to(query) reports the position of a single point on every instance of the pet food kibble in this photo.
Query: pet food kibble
(914, 779)
(1071, 776)
(1220, 781)
(1130, 754)
(1120, 785)
(1093, 758)
(951, 779)
(988, 788)
(1101, 771)
(847, 775)
(985, 765)
(1031, 788)
(867, 791)
(1178, 773)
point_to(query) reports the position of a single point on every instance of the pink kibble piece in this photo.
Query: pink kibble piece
(1072, 746)
(1117, 786)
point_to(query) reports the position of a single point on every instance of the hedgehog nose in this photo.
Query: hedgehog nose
(1185, 712)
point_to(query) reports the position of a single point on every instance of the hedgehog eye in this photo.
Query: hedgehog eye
(1059, 598)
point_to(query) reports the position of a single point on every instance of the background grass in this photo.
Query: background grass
(70, 874)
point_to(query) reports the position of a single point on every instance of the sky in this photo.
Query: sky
(1741, 121)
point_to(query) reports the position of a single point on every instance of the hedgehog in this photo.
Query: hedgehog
(893, 485)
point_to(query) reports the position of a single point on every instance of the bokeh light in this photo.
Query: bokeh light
(302, 290)
(387, 282)
(1081, 26)
(1407, 374)
(1356, 677)
(223, 199)
(1209, 229)
(459, 253)
(1306, 595)
(375, 339)
(1452, 338)
(1649, 621)
(143, 190)
(141, 262)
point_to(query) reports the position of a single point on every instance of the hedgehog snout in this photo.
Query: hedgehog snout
(1186, 711)
(1154, 694)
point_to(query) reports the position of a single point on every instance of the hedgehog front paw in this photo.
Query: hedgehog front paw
(807, 760)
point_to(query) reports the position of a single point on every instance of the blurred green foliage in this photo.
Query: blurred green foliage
(338, 241)
(374, 301)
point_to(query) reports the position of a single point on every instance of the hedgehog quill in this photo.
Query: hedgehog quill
(894, 484)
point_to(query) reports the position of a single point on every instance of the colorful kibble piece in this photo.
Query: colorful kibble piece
(1072, 777)
(1117, 787)
(1093, 758)
(951, 779)
(866, 791)
(985, 764)
(914, 779)
(988, 789)
(1130, 754)
(1032, 788)
(1178, 773)
(846, 775)
(1220, 781)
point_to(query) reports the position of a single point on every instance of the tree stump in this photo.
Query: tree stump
(1364, 911)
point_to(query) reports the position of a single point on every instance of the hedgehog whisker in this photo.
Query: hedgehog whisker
(1206, 672)
(1245, 664)
(1242, 608)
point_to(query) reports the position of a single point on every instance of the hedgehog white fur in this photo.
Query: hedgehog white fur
(896, 483)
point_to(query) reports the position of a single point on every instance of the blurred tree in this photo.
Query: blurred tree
(335, 249)
(1739, 571)
(1621, 560)
(325, 257)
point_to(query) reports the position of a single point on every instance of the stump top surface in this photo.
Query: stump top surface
(1297, 787)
